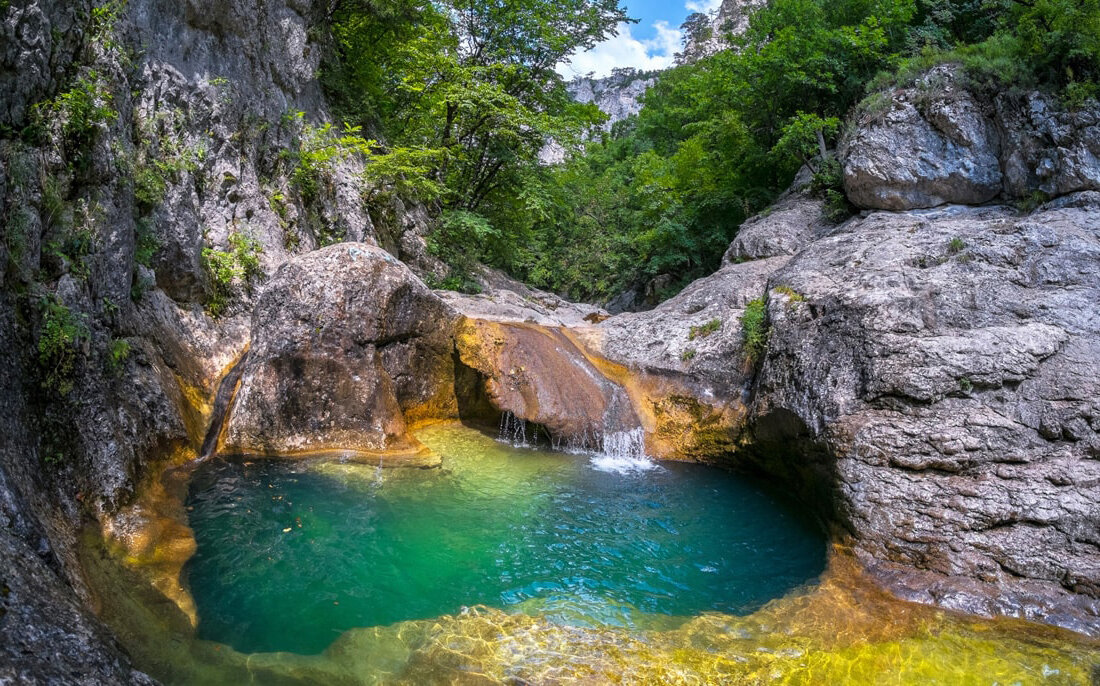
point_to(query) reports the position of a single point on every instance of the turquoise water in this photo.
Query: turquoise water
(291, 554)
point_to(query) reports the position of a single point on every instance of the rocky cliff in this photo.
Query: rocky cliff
(709, 33)
(149, 179)
(930, 376)
(618, 96)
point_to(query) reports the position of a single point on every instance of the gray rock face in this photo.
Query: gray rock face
(936, 143)
(949, 363)
(207, 105)
(37, 40)
(618, 96)
(924, 152)
(789, 225)
(343, 341)
(46, 635)
(675, 337)
(1047, 149)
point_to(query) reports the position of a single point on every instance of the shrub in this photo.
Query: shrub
(455, 241)
(59, 345)
(828, 184)
(83, 109)
(955, 246)
(754, 329)
(688, 355)
(241, 261)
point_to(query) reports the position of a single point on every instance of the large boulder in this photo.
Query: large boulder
(938, 142)
(348, 347)
(947, 366)
(932, 145)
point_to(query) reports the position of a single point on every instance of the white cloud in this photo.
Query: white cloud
(624, 50)
(703, 5)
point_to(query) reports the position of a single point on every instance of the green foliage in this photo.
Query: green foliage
(966, 385)
(60, 345)
(955, 246)
(755, 330)
(84, 110)
(146, 243)
(74, 243)
(804, 139)
(456, 241)
(828, 184)
(705, 330)
(240, 263)
(162, 158)
(222, 269)
(688, 355)
(117, 354)
(246, 253)
(466, 95)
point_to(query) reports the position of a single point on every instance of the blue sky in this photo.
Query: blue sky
(649, 44)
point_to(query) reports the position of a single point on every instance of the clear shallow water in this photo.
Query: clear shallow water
(292, 554)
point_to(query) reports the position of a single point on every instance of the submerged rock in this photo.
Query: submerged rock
(347, 347)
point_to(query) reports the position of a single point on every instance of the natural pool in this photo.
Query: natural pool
(517, 566)
(585, 542)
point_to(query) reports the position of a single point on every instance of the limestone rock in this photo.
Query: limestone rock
(1047, 149)
(37, 42)
(937, 143)
(785, 228)
(345, 341)
(931, 147)
(945, 368)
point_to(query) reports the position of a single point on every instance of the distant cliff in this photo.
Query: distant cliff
(708, 33)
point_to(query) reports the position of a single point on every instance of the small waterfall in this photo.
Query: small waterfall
(226, 391)
(622, 442)
(623, 452)
(513, 431)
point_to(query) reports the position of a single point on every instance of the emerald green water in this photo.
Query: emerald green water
(292, 554)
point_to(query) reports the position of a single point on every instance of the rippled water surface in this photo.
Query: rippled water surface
(292, 554)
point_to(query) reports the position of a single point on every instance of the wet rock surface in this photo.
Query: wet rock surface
(344, 341)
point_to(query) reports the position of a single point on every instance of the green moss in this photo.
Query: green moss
(792, 295)
(117, 354)
(704, 330)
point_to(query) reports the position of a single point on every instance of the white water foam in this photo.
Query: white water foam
(618, 452)
(623, 453)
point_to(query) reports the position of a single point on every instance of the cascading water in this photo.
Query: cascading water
(617, 446)
(227, 390)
